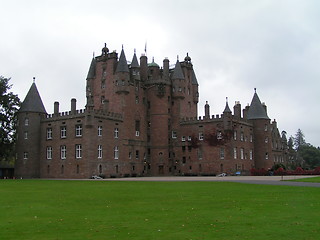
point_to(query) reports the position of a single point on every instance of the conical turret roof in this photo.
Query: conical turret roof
(227, 109)
(134, 63)
(177, 72)
(92, 69)
(122, 64)
(256, 109)
(32, 102)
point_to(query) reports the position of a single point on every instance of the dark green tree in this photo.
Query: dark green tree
(9, 105)
(310, 155)
(299, 139)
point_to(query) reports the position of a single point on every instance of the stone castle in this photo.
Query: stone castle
(141, 119)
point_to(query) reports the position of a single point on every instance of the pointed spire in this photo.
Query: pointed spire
(33, 102)
(122, 63)
(256, 109)
(134, 63)
(227, 109)
(92, 69)
(177, 73)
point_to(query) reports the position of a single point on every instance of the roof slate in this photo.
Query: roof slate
(227, 109)
(92, 69)
(177, 73)
(134, 63)
(32, 102)
(122, 64)
(256, 110)
(194, 80)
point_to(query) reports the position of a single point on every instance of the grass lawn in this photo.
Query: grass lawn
(311, 179)
(47, 209)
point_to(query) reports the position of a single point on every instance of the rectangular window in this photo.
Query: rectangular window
(99, 131)
(251, 154)
(251, 138)
(242, 153)
(116, 152)
(219, 135)
(200, 136)
(130, 155)
(25, 155)
(235, 135)
(100, 151)
(49, 133)
(221, 153)
(49, 152)
(26, 121)
(78, 151)
(137, 154)
(189, 138)
(183, 138)
(116, 133)
(63, 152)
(241, 137)
(63, 132)
(235, 153)
(174, 134)
(25, 135)
(267, 156)
(78, 130)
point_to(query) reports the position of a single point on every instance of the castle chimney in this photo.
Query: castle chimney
(56, 108)
(143, 67)
(206, 110)
(245, 112)
(237, 110)
(73, 105)
(265, 107)
(166, 68)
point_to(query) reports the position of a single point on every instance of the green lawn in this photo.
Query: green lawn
(311, 179)
(45, 209)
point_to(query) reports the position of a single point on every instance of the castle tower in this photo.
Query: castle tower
(29, 133)
(261, 133)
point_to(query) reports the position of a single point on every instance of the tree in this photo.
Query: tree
(299, 139)
(310, 155)
(9, 105)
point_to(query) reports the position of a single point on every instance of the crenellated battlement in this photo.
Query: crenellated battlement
(213, 118)
(83, 112)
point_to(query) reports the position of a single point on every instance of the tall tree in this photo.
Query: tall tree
(9, 105)
(311, 155)
(299, 139)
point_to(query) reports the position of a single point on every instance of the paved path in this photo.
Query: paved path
(269, 180)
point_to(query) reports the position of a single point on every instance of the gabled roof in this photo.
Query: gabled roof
(92, 69)
(177, 72)
(194, 78)
(32, 102)
(134, 63)
(122, 64)
(256, 109)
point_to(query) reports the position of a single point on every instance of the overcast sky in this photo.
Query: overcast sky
(235, 46)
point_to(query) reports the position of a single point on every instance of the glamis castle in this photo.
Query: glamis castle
(141, 119)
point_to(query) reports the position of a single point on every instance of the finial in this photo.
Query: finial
(34, 79)
(134, 51)
(177, 57)
(105, 44)
(122, 46)
(255, 90)
(226, 99)
(93, 54)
